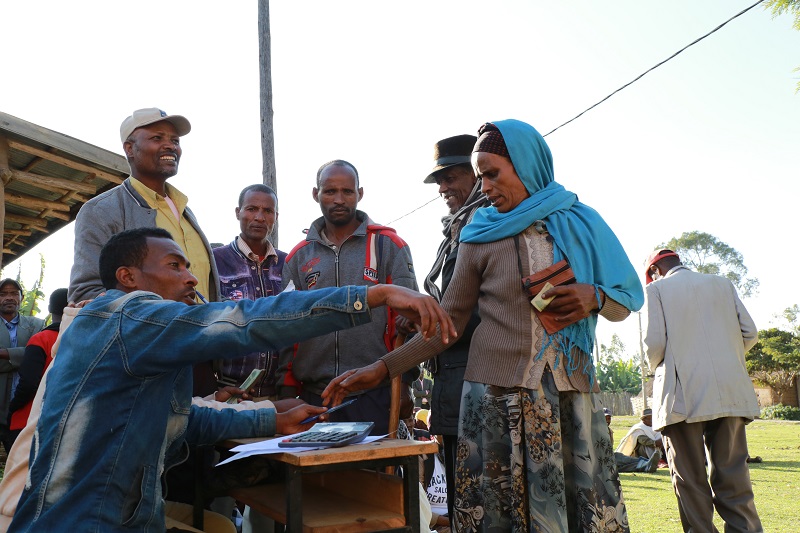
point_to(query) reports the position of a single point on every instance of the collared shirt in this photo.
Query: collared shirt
(12, 330)
(12, 334)
(250, 254)
(181, 230)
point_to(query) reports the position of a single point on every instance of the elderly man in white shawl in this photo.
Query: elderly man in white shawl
(642, 440)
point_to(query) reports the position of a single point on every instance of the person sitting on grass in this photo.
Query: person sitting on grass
(642, 440)
(626, 463)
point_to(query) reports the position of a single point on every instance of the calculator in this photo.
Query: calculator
(328, 435)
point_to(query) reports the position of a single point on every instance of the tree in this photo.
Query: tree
(791, 317)
(708, 255)
(779, 7)
(775, 359)
(616, 372)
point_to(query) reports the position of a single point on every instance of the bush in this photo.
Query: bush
(780, 412)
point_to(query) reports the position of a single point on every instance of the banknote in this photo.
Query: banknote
(538, 301)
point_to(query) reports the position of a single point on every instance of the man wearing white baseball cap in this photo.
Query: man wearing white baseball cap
(151, 141)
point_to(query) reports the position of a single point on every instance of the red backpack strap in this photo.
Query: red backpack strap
(297, 247)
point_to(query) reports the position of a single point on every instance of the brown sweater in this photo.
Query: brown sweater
(503, 344)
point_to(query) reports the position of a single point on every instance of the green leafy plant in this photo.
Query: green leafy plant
(780, 7)
(780, 412)
(775, 360)
(616, 372)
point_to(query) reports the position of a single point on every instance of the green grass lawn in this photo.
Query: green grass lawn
(652, 506)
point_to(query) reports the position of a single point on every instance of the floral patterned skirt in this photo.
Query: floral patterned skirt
(535, 461)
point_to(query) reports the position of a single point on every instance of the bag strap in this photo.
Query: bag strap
(519, 259)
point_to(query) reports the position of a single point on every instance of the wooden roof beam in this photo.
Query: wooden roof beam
(22, 232)
(49, 213)
(44, 154)
(32, 202)
(61, 185)
(38, 223)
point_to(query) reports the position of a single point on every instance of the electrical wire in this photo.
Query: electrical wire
(413, 210)
(640, 76)
(637, 78)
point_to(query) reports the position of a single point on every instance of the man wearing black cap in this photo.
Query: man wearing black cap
(461, 191)
(151, 141)
(13, 338)
(697, 334)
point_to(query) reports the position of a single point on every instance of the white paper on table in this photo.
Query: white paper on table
(271, 446)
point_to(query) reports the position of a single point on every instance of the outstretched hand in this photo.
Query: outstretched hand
(420, 309)
(288, 423)
(572, 302)
(367, 377)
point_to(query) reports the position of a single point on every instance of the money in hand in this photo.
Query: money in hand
(540, 302)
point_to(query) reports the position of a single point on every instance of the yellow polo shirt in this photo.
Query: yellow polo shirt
(181, 230)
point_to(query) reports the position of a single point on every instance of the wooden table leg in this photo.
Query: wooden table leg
(411, 492)
(294, 498)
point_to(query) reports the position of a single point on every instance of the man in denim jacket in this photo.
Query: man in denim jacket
(118, 411)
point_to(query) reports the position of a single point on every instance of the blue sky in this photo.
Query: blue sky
(707, 142)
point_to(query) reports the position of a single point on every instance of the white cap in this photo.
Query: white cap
(151, 115)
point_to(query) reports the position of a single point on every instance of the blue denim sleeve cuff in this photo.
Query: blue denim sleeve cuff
(357, 305)
(267, 422)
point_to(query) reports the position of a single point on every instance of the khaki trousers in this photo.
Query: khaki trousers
(724, 442)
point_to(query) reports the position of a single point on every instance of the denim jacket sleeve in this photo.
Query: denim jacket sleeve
(208, 426)
(160, 335)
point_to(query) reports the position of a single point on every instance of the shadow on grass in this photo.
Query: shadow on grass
(784, 466)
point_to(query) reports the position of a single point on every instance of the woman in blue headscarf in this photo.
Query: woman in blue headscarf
(534, 452)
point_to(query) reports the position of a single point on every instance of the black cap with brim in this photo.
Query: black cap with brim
(445, 163)
(451, 152)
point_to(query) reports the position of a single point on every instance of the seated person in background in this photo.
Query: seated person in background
(626, 463)
(118, 410)
(421, 431)
(642, 440)
(35, 361)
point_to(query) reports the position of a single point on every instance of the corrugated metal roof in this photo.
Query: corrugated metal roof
(48, 178)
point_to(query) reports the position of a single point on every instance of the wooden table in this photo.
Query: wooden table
(322, 507)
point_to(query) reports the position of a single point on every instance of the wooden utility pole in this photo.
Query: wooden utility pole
(267, 132)
(641, 362)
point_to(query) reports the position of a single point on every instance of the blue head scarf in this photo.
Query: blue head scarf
(580, 235)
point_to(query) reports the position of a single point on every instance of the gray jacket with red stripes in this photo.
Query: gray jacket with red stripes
(372, 254)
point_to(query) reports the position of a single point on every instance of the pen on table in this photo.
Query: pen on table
(331, 410)
(202, 298)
